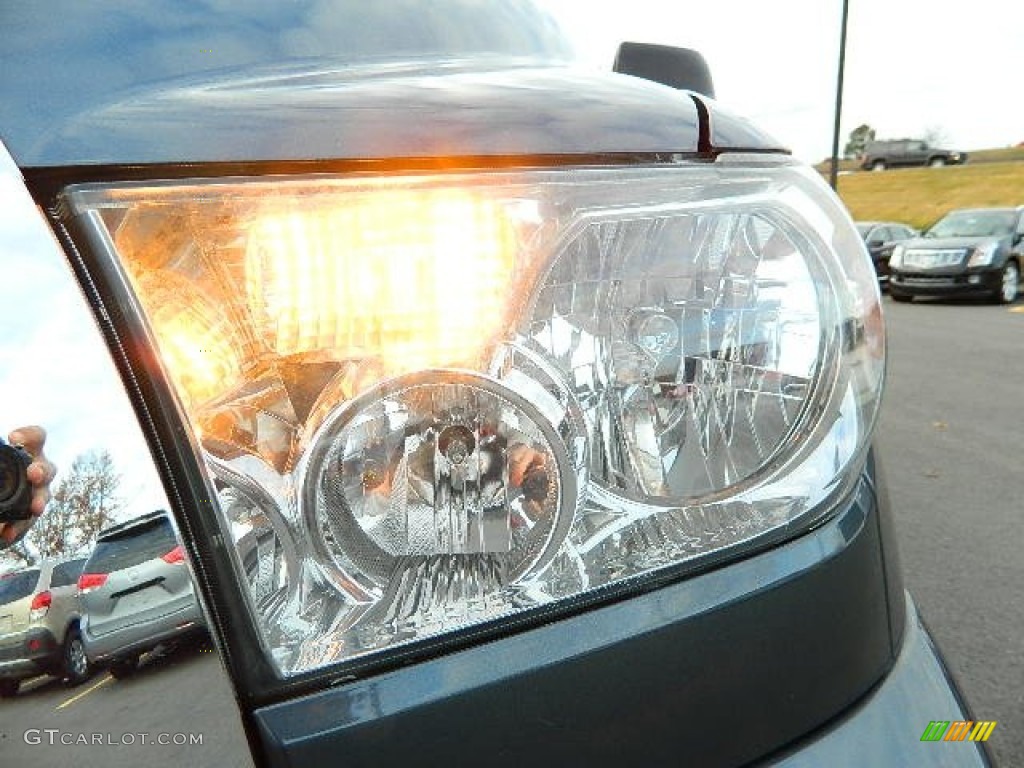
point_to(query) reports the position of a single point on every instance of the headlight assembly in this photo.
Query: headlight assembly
(430, 401)
(896, 260)
(982, 255)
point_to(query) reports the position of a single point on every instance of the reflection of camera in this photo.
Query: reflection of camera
(15, 492)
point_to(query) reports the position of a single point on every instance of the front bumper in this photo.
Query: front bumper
(886, 727)
(28, 654)
(972, 283)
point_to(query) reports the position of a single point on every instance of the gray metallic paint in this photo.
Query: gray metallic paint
(352, 114)
(885, 728)
(63, 60)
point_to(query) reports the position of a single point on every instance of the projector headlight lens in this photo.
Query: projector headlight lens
(444, 468)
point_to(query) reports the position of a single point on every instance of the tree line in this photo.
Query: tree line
(84, 500)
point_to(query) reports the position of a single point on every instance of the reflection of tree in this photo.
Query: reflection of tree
(936, 136)
(16, 557)
(84, 501)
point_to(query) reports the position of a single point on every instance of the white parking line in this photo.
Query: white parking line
(103, 681)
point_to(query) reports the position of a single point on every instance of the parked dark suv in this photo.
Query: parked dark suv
(971, 252)
(879, 155)
(39, 624)
(880, 238)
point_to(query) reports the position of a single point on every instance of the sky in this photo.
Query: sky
(55, 369)
(912, 67)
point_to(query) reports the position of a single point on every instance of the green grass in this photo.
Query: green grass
(919, 196)
(1007, 155)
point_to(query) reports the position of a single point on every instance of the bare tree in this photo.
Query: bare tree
(83, 502)
(17, 556)
(936, 136)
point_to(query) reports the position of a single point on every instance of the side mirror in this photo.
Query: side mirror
(675, 67)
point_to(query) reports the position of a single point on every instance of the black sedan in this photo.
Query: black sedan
(880, 238)
(971, 252)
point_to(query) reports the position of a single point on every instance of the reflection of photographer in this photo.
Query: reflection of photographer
(25, 476)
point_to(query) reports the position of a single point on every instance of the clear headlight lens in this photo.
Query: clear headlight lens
(896, 260)
(983, 255)
(430, 401)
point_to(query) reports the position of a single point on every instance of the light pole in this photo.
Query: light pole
(834, 169)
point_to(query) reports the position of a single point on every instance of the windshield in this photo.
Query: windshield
(863, 229)
(132, 547)
(974, 224)
(14, 586)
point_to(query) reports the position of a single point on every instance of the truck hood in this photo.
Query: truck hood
(194, 82)
(372, 113)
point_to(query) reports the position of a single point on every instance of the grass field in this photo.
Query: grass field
(919, 196)
(1007, 155)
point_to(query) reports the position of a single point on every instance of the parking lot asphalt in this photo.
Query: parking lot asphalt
(176, 710)
(951, 439)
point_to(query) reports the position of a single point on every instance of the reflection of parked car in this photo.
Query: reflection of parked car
(39, 625)
(879, 155)
(967, 252)
(136, 593)
(881, 237)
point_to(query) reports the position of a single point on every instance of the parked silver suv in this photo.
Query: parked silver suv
(39, 625)
(136, 593)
